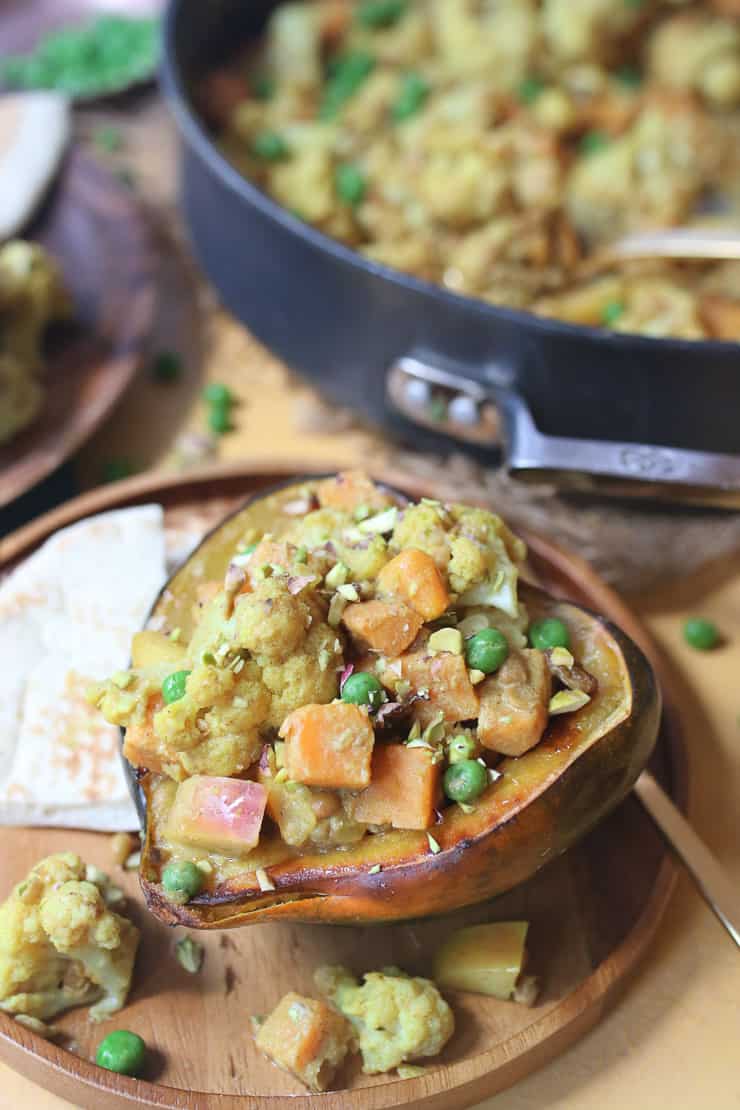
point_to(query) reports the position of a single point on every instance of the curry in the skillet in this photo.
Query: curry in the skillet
(360, 666)
(492, 146)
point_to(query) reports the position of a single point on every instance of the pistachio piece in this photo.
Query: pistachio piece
(380, 523)
(190, 954)
(446, 639)
(567, 701)
(337, 576)
(561, 657)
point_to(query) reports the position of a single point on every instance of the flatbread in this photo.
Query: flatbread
(67, 616)
(34, 133)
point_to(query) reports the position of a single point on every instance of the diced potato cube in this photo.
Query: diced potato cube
(307, 1038)
(486, 959)
(414, 577)
(385, 626)
(514, 704)
(217, 814)
(154, 649)
(329, 745)
(404, 789)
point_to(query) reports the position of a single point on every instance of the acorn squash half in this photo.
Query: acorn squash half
(543, 803)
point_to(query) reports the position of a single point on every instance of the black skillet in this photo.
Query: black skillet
(590, 408)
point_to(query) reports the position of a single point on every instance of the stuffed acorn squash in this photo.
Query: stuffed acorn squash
(349, 708)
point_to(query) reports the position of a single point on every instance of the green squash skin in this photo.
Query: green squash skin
(482, 855)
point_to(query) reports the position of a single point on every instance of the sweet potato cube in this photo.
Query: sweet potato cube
(140, 745)
(514, 704)
(404, 789)
(217, 814)
(385, 626)
(329, 745)
(414, 577)
(307, 1038)
(444, 682)
(349, 490)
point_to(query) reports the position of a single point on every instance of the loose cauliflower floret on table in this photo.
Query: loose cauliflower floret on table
(61, 945)
(396, 1017)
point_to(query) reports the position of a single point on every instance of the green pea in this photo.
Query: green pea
(173, 687)
(611, 312)
(182, 878)
(549, 633)
(529, 89)
(593, 142)
(380, 13)
(487, 650)
(122, 1052)
(166, 366)
(413, 94)
(219, 419)
(270, 146)
(465, 781)
(217, 394)
(701, 634)
(362, 688)
(461, 748)
(350, 184)
(348, 72)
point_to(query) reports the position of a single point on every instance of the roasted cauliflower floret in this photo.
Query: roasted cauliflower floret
(309, 676)
(396, 1017)
(697, 51)
(61, 945)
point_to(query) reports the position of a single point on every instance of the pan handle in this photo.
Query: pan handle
(496, 415)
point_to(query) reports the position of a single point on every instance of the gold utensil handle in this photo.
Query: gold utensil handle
(718, 891)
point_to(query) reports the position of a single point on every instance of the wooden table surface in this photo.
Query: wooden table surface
(672, 1040)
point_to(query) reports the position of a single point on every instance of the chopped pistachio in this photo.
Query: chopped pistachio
(348, 592)
(466, 808)
(561, 657)
(567, 701)
(362, 512)
(208, 658)
(264, 880)
(446, 639)
(375, 869)
(381, 522)
(122, 679)
(417, 743)
(434, 847)
(337, 605)
(281, 776)
(301, 555)
(176, 634)
(476, 677)
(410, 1071)
(415, 732)
(337, 576)
(204, 865)
(493, 774)
(133, 861)
(403, 688)
(279, 753)
(435, 729)
(190, 954)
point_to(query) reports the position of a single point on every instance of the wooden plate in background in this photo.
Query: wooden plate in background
(93, 224)
(593, 914)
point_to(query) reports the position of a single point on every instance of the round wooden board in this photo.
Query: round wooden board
(93, 224)
(593, 914)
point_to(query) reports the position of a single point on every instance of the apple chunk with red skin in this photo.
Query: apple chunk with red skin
(218, 814)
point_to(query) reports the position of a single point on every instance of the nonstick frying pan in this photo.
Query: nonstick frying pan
(585, 407)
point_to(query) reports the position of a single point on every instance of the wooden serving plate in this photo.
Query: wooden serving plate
(94, 227)
(593, 914)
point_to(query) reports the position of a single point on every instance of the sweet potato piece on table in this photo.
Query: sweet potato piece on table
(307, 1038)
(445, 679)
(414, 577)
(514, 704)
(329, 745)
(385, 626)
(349, 490)
(404, 789)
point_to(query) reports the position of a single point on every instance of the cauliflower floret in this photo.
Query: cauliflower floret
(423, 526)
(364, 555)
(310, 676)
(396, 1017)
(695, 50)
(60, 943)
(271, 623)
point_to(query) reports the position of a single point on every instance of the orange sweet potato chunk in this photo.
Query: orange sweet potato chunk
(140, 745)
(414, 577)
(444, 681)
(385, 626)
(404, 790)
(349, 490)
(328, 745)
(306, 1037)
(514, 704)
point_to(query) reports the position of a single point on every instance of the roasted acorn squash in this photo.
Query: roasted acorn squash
(544, 801)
